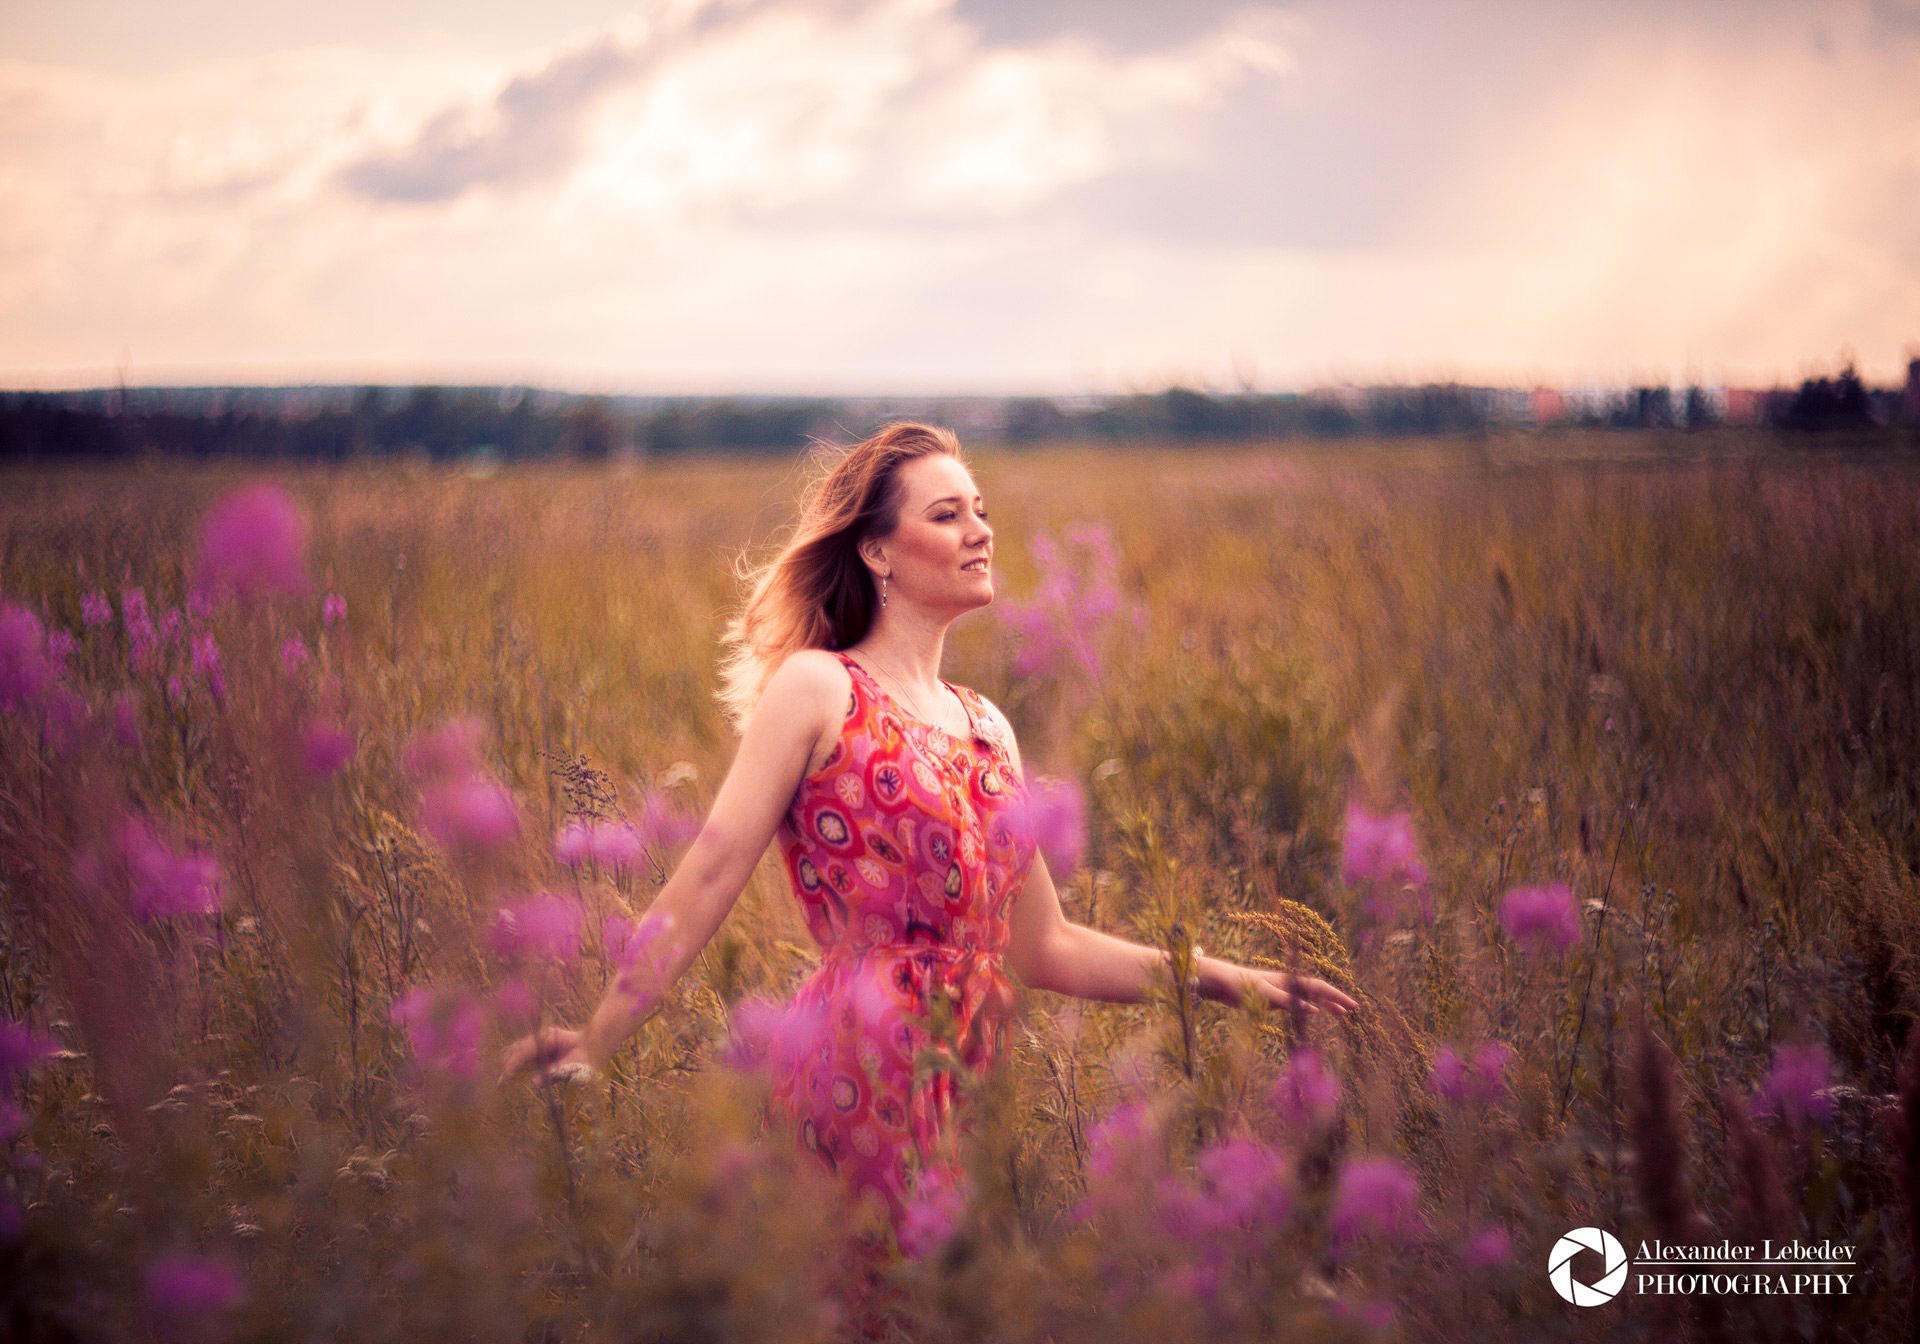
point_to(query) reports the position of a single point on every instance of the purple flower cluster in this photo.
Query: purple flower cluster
(664, 824)
(771, 1038)
(1066, 621)
(1375, 1196)
(1489, 1246)
(27, 667)
(1245, 1182)
(445, 1027)
(325, 747)
(191, 1285)
(1380, 859)
(462, 806)
(1053, 811)
(1126, 1151)
(254, 540)
(1541, 919)
(620, 845)
(627, 942)
(175, 652)
(1477, 1080)
(160, 882)
(1796, 1088)
(1305, 1095)
(21, 1047)
(546, 928)
(933, 1211)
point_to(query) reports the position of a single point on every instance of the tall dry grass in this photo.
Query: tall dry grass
(1686, 687)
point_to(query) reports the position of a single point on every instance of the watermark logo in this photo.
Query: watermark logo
(1612, 1278)
(1666, 1269)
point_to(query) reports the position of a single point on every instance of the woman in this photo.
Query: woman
(895, 797)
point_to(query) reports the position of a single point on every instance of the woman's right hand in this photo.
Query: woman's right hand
(553, 1053)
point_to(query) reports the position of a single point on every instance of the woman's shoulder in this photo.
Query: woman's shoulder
(815, 677)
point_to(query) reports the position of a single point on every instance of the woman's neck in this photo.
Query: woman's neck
(908, 647)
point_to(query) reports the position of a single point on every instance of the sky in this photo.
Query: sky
(951, 196)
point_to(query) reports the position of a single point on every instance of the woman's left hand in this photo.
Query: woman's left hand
(1281, 989)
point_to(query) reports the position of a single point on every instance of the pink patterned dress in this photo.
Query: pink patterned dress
(906, 850)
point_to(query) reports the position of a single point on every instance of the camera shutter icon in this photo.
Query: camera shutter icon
(1612, 1278)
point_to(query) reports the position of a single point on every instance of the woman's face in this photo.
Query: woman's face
(939, 554)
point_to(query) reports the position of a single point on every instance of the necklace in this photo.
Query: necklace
(912, 702)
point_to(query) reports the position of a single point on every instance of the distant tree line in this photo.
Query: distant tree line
(338, 424)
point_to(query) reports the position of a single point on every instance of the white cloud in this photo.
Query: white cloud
(852, 195)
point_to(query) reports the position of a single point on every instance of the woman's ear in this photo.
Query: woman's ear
(876, 558)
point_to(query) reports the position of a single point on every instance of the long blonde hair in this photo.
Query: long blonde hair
(817, 593)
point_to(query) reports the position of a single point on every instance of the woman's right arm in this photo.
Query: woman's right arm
(805, 697)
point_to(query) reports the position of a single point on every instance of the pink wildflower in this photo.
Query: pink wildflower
(126, 720)
(1375, 1196)
(615, 844)
(546, 928)
(1369, 1313)
(21, 1047)
(1796, 1089)
(1488, 1247)
(1305, 1095)
(1481, 1079)
(469, 816)
(452, 748)
(66, 717)
(1245, 1182)
(1541, 918)
(165, 884)
(609, 843)
(514, 999)
(190, 1285)
(95, 610)
(774, 1037)
(25, 668)
(294, 654)
(333, 610)
(628, 942)
(206, 661)
(573, 842)
(664, 824)
(1054, 811)
(445, 1028)
(1125, 1155)
(253, 541)
(1075, 604)
(1380, 857)
(933, 1211)
(325, 747)
(143, 641)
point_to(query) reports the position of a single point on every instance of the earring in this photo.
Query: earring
(883, 590)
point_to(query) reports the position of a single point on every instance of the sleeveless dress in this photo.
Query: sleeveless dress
(905, 850)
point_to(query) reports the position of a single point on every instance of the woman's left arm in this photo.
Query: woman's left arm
(1049, 951)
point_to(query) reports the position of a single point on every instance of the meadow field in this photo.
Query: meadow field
(1587, 764)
